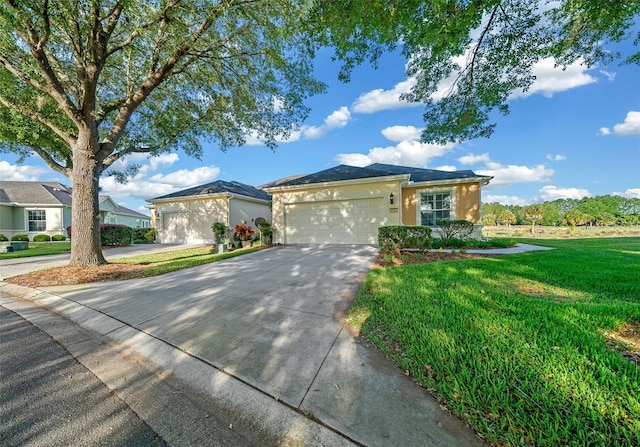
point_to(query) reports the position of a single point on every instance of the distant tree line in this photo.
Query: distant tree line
(593, 211)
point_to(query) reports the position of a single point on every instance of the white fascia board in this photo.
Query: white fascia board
(460, 181)
(218, 195)
(359, 181)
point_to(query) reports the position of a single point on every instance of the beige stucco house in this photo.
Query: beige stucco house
(186, 216)
(347, 204)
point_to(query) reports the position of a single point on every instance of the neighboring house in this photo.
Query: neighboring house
(112, 213)
(347, 204)
(186, 216)
(45, 208)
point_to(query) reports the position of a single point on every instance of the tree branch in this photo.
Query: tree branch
(36, 117)
(67, 170)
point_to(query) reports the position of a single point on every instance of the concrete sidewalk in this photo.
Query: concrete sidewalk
(263, 336)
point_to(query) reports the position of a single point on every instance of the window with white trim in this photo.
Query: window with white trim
(436, 205)
(37, 220)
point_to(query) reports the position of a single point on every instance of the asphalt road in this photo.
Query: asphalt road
(49, 399)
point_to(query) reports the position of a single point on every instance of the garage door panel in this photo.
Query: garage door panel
(335, 222)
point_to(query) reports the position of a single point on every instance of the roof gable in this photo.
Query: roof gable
(219, 187)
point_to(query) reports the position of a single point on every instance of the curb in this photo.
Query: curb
(256, 416)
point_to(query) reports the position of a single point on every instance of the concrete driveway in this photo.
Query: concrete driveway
(274, 319)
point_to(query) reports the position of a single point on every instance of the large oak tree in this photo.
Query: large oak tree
(83, 83)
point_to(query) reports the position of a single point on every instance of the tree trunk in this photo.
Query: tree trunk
(86, 248)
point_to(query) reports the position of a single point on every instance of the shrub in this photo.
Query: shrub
(454, 229)
(3, 238)
(115, 234)
(111, 234)
(266, 232)
(143, 235)
(220, 231)
(244, 232)
(58, 237)
(392, 239)
(20, 237)
(41, 238)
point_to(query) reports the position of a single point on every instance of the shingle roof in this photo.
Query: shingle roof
(345, 172)
(123, 210)
(335, 174)
(425, 175)
(36, 193)
(219, 187)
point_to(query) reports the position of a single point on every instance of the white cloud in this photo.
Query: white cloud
(185, 178)
(631, 193)
(611, 75)
(551, 79)
(380, 99)
(558, 157)
(509, 174)
(337, 119)
(449, 168)
(604, 131)
(408, 152)
(401, 133)
(506, 200)
(21, 173)
(550, 193)
(631, 125)
(472, 159)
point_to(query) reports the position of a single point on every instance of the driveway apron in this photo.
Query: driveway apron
(275, 320)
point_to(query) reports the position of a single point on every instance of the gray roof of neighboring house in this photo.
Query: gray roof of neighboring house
(123, 210)
(219, 187)
(345, 172)
(35, 193)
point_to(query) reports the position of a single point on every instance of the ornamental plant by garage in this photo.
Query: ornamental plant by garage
(243, 232)
(220, 231)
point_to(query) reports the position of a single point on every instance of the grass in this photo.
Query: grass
(160, 263)
(515, 344)
(545, 232)
(39, 249)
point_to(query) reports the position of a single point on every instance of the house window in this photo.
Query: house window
(435, 206)
(37, 220)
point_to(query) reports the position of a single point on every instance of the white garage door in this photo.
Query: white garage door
(174, 227)
(335, 222)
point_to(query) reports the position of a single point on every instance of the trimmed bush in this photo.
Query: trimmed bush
(112, 234)
(41, 238)
(115, 234)
(20, 238)
(58, 237)
(449, 230)
(391, 239)
(143, 235)
(3, 238)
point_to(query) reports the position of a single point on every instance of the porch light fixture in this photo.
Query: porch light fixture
(391, 199)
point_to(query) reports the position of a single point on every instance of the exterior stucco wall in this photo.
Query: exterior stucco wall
(193, 219)
(6, 219)
(467, 202)
(315, 193)
(247, 211)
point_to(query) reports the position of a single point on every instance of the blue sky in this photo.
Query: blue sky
(576, 133)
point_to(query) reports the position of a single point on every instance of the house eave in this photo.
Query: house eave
(218, 195)
(359, 181)
(482, 180)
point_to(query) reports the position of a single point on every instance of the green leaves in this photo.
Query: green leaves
(469, 57)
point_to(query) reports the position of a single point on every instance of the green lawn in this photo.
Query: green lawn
(514, 344)
(39, 249)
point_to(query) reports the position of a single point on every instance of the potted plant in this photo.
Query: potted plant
(244, 233)
(219, 233)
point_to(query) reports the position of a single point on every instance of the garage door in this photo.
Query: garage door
(174, 227)
(334, 222)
